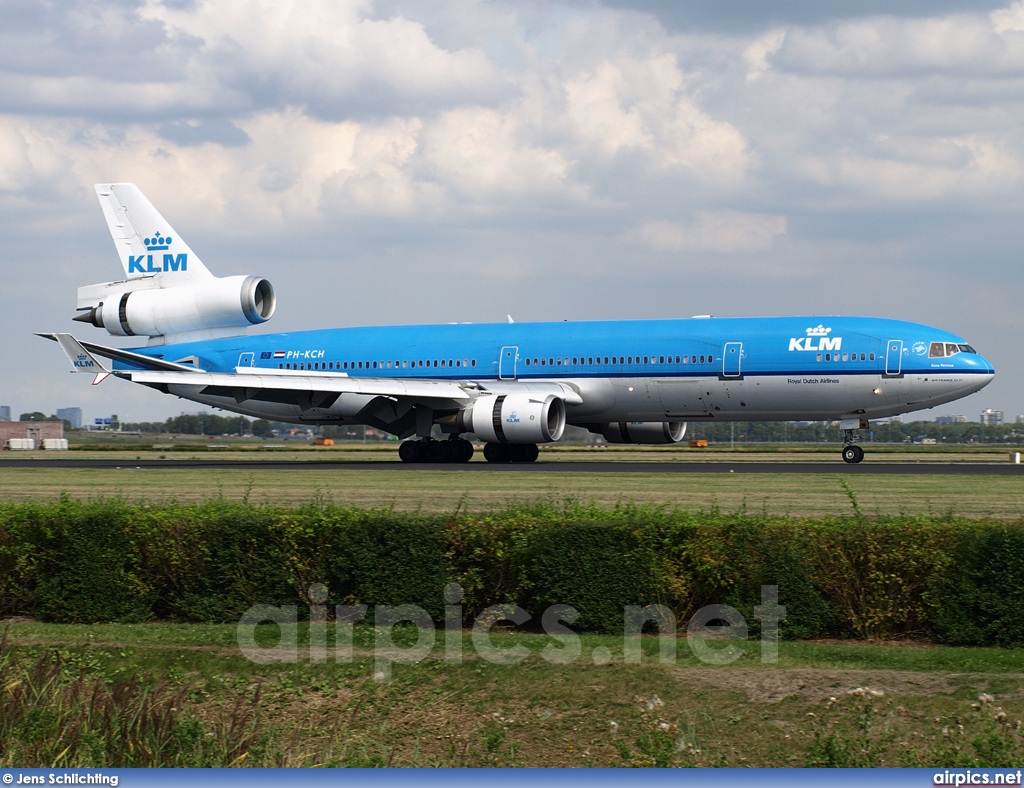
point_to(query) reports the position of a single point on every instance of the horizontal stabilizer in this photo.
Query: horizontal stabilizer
(81, 359)
(91, 349)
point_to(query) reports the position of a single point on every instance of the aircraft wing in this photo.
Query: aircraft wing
(390, 402)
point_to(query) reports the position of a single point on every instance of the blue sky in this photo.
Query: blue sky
(400, 162)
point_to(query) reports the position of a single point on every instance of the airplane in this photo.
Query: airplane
(511, 385)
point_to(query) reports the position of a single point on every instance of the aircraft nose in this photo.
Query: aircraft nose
(986, 373)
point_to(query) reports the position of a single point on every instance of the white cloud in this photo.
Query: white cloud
(324, 55)
(1009, 20)
(723, 232)
(891, 45)
(635, 105)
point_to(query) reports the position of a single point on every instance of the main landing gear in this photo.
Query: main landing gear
(429, 450)
(461, 450)
(852, 453)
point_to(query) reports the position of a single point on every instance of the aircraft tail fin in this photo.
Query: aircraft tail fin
(146, 243)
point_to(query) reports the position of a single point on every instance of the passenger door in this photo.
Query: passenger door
(894, 357)
(507, 362)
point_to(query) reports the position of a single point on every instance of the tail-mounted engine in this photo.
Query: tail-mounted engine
(206, 306)
(515, 418)
(648, 432)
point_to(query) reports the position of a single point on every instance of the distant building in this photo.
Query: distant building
(1019, 419)
(950, 419)
(5, 412)
(991, 417)
(73, 415)
(36, 431)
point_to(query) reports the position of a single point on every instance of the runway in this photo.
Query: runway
(807, 468)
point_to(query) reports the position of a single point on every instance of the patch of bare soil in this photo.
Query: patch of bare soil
(772, 686)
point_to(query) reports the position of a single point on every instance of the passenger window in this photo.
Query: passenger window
(828, 356)
(846, 356)
(819, 357)
(936, 350)
(871, 357)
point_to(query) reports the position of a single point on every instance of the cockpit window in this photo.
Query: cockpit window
(951, 349)
(936, 350)
(967, 349)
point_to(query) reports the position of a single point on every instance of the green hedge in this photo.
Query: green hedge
(948, 579)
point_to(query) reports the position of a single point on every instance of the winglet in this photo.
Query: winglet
(81, 359)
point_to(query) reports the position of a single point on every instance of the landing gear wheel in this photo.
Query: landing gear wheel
(459, 450)
(410, 451)
(497, 452)
(853, 454)
(524, 452)
(437, 451)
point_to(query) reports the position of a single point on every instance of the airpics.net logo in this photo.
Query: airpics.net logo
(974, 777)
(817, 340)
(152, 263)
(711, 633)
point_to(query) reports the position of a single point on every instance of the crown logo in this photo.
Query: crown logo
(157, 242)
(820, 331)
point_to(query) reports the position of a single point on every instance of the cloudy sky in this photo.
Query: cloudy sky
(460, 160)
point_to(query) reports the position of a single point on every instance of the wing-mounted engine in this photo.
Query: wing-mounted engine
(646, 432)
(168, 292)
(211, 306)
(514, 418)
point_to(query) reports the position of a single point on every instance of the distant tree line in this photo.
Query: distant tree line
(880, 432)
(38, 415)
(204, 424)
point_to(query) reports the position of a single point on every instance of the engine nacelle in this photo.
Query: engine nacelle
(649, 432)
(228, 302)
(515, 418)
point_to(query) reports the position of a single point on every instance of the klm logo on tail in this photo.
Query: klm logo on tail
(150, 264)
(817, 339)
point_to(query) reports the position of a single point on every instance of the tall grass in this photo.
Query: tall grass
(52, 716)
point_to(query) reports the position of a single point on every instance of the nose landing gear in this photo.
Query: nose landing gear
(852, 453)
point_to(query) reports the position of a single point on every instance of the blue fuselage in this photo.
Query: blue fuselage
(770, 368)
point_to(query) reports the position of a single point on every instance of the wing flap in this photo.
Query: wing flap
(414, 389)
